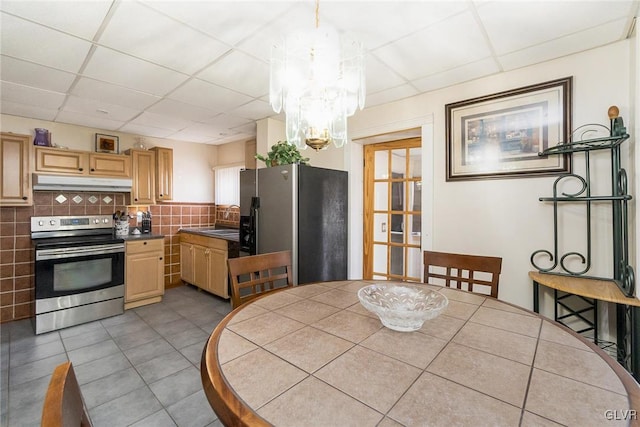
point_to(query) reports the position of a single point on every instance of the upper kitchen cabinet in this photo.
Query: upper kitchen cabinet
(143, 168)
(164, 173)
(70, 162)
(15, 182)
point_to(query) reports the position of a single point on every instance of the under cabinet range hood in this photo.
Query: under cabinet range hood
(81, 183)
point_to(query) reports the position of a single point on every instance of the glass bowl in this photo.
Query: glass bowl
(402, 307)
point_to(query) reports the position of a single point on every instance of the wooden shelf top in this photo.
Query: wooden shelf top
(603, 290)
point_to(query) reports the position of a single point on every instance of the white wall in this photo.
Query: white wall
(192, 163)
(503, 217)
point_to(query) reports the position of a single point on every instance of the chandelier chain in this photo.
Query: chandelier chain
(317, 13)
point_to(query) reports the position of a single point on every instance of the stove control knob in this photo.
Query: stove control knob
(52, 222)
(105, 220)
(40, 223)
(96, 221)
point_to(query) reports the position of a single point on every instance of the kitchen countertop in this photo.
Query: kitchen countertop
(141, 236)
(229, 234)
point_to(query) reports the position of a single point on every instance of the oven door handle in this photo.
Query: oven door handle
(58, 253)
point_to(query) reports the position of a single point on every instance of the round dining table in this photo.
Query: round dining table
(312, 355)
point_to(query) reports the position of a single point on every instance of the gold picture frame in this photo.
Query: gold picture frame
(107, 143)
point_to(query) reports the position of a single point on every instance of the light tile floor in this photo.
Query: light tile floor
(141, 368)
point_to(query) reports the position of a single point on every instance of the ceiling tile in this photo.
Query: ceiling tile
(379, 76)
(390, 95)
(228, 21)
(160, 121)
(145, 33)
(113, 94)
(226, 121)
(254, 110)
(556, 19)
(191, 136)
(240, 72)
(87, 15)
(440, 47)
(25, 40)
(170, 107)
(31, 96)
(31, 111)
(584, 40)
(475, 70)
(207, 95)
(146, 130)
(30, 74)
(102, 110)
(114, 67)
(80, 119)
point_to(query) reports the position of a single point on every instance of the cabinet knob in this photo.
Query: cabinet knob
(136, 199)
(80, 169)
(25, 198)
(144, 243)
(160, 258)
(93, 170)
(161, 195)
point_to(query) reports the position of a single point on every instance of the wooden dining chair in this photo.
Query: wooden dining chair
(472, 273)
(252, 276)
(63, 403)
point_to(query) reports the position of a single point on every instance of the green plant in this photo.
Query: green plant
(283, 153)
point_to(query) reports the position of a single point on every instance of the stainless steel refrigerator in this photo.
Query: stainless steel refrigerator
(298, 208)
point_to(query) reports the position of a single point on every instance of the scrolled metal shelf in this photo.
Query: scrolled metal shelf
(585, 145)
(585, 199)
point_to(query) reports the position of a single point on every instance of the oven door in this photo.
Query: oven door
(78, 269)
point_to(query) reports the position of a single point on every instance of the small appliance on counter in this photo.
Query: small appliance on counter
(146, 222)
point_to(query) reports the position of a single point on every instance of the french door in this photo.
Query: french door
(392, 210)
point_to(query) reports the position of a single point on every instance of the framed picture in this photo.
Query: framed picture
(107, 144)
(500, 135)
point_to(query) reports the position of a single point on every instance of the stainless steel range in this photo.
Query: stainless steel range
(79, 270)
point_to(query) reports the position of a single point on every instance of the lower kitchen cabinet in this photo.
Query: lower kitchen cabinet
(144, 272)
(203, 263)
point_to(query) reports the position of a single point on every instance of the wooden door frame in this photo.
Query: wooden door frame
(368, 184)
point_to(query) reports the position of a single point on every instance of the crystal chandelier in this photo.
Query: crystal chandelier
(317, 77)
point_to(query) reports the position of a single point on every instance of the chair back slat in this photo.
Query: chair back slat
(63, 403)
(461, 271)
(252, 276)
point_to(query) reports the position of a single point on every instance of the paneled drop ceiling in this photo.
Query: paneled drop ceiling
(198, 71)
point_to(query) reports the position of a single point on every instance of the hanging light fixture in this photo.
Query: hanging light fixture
(317, 77)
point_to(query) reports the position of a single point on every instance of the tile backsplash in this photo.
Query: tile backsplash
(17, 255)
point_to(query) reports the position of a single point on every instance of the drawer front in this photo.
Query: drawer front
(210, 242)
(149, 245)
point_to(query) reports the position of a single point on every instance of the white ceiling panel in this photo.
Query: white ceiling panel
(584, 40)
(87, 16)
(440, 47)
(207, 95)
(103, 110)
(31, 96)
(124, 70)
(31, 111)
(32, 42)
(172, 108)
(30, 74)
(160, 121)
(87, 120)
(183, 69)
(240, 72)
(113, 94)
(145, 33)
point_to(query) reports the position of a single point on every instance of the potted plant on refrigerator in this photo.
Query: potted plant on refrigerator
(283, 153)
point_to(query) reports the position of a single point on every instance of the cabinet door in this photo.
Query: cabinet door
(101, 164)
(15, 182)
(200, 266)
(218, 273)
(164, 173)
(61, 161)
(186, 263)
(143, 185)
(144, 270)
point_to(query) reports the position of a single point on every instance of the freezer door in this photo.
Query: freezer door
(247, 190)
(322, 224)
(276, 220)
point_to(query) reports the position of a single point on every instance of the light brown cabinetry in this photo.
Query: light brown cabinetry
(203, 263)
(144, 272)
(143, 168)
(70, 162)
(15, 181)
(164, 173)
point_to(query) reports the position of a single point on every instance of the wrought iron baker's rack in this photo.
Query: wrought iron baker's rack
(585, 139)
